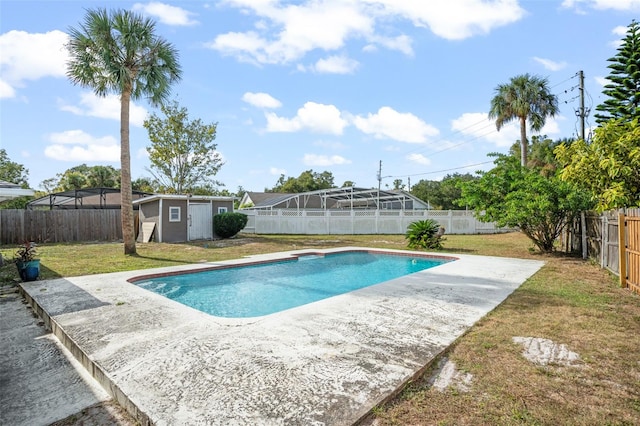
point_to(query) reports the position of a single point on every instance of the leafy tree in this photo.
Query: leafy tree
(14, 173)
(442, 195)
(238, 196)
(103, 177)
(348, 183)
(182, 153)
(307, 181)
(450, 192)
(83, 176)
(608, 167)
(50, 185)
(120, 53)
(425, 234)
(144, 184)
(526, 97)
(240, 192)
(515, 196)
(210, 189)
(541, 153)
(71, 180)
(426, 190)
(398, 184)
(623, 89)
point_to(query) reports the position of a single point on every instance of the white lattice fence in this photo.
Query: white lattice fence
(349, 222)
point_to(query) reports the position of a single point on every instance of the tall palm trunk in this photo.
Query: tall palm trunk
(523, 142)
(128, 233)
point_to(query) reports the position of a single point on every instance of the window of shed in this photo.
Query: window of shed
(174, 214)
(222, 210)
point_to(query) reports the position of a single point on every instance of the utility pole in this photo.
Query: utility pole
(582, 113)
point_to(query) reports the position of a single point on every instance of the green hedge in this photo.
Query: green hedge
(227, 225)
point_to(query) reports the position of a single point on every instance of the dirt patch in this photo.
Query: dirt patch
(544, 352)
(447, 375)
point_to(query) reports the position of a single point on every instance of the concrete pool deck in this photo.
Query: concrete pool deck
(326, 363)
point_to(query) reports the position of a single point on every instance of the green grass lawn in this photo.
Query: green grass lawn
(569, 301)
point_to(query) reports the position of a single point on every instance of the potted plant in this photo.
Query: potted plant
(28, 266)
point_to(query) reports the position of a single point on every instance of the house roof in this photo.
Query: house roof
(9, 191)
(265, 199)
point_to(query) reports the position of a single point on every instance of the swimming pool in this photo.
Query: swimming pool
(266, 288)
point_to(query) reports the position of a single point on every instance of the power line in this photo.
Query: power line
(476, 133)
(444, 170)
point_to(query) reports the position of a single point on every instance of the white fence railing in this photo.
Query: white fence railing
(326, 222)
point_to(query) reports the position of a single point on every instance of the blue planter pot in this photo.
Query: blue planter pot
(29, 271)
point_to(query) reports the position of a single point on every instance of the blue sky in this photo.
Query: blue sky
(335, 85)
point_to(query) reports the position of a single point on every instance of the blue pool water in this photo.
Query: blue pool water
(251, 291)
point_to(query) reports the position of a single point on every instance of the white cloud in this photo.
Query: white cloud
(621, 5)
(549, 64)
(105, 107)
(324, 160)
(167, 14)
(27, 56)
(388, 123)
(620, 31)
(78, 146)
(6, 91)
(319, 118)
(276, 171)
(261, 100)
(285, 33)
(246, 47)
(601, 80)
(335, 65)
(455, 20)
(402, 43)
(419, 159)
(477, 126)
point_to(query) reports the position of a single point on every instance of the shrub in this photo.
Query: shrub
(425, 234)
(227, 225)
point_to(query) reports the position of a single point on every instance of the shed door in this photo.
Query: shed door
(200, 222)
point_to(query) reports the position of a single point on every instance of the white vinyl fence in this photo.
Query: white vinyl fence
(326, 222)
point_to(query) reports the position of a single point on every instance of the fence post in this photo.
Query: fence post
(604, 239)
(622, 240)
(583, 225)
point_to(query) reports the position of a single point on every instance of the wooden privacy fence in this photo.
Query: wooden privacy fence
(58, 226)
(613, 240)
(629, 237)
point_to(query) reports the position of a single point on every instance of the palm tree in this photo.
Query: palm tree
(526, 97)
(119, 53)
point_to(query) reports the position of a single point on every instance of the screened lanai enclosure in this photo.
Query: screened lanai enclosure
(349, 198)
(85, 198)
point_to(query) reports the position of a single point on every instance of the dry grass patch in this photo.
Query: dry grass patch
(570, 302)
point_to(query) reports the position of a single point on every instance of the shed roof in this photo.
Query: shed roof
(154, 197)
